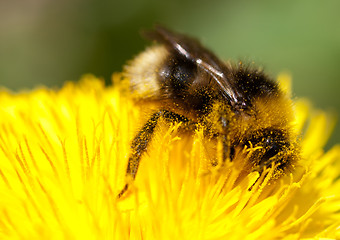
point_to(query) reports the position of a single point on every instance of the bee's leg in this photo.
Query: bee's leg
(141, 141)
(227, 151)
(226, 148)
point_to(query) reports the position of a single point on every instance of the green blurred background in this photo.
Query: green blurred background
(45, 42)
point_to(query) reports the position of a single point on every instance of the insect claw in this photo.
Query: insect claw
(121, 193)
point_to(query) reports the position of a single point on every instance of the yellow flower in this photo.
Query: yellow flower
(63, 156)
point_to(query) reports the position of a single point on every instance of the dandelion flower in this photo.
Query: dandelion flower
(63, 156)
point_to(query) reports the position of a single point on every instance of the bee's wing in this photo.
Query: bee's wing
(192, 50)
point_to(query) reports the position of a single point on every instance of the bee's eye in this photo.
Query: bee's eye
(273, 149)
(271, 143)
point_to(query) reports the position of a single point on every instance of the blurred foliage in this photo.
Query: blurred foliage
(45, 42)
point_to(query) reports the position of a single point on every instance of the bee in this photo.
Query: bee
(236, 104)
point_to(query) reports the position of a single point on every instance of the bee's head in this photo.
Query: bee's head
(266, 130)
(268, 147)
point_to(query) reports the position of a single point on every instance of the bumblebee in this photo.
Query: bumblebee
(238, 105)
